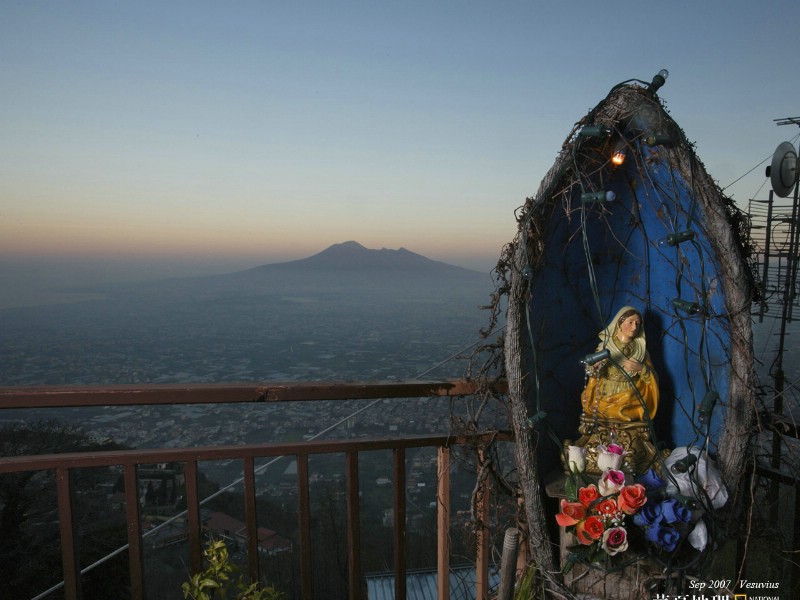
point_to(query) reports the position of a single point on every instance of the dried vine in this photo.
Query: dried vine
(507, 357)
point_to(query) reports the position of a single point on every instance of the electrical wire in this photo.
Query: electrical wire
(682, 274)
(792, 140)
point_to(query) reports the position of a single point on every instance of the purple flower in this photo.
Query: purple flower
(666, 537)
(651, 480)
(673, 511)
(649, 515)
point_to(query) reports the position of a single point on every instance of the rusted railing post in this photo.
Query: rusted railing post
(353, 526)
(135, 561)
(193, 512)
(69, 560)
(443, 523)
(304, 522)
(399, 524)
(482, 534)
(62, 466)
(251, 520)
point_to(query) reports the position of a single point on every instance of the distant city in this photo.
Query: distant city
(346, 314)
(349, 314)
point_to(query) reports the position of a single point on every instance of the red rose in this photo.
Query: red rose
(571, 513)
(632, 498)
(588, 494)
(589, 530)
(606, 507)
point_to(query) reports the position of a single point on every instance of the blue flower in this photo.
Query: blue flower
(665, 536)
(651, 481)
(673, 511)
(649, 515)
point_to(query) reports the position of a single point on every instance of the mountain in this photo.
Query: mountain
(352, 256)
(347, 312)
(351, 268)
(343, 270)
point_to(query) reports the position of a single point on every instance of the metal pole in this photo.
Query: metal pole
(767, 242)
(793, 247)
(508, 564)
(443, 524)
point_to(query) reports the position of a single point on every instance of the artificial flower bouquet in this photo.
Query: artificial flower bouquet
(607, 514)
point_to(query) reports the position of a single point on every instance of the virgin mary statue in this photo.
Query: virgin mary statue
(620, 397)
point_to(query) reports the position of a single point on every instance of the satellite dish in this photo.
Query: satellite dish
(783, 171)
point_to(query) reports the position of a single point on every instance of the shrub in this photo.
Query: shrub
(222, 577)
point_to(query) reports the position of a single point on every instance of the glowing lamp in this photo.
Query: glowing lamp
(673, 239)
(608, 196)
(618, 155)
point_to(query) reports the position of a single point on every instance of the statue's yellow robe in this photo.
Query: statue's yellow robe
(614, 398)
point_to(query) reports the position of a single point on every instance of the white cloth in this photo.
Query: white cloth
(701, 477)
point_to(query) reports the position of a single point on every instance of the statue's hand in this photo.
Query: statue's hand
(632, 366)
(594, 369)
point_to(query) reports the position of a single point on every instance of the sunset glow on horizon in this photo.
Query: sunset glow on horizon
(263, 132)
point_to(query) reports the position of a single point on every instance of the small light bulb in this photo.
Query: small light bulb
(596, 357)
(608, 196)
(618, 155)
(595, 131)
(692, 308)
(658, 80)
(684, 464)
(527, 272)
(707, 406)
(673, 239)
(659, 139)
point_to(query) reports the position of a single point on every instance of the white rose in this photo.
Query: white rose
(577, 459)
(609, 460)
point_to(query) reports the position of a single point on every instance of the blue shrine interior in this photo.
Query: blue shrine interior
(599, 256)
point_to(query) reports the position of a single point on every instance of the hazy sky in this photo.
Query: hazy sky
(222, 134)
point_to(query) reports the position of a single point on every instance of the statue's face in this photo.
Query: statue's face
(631, 326)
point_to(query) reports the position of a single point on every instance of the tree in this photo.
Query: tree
(31, 548)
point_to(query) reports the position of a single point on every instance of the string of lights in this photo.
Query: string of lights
(591, 172)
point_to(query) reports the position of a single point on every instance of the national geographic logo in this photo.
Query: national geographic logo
(716, 596)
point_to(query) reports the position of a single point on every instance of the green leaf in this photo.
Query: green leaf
(571, 488)
(598, 554)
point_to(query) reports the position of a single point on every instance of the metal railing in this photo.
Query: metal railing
(63, 466)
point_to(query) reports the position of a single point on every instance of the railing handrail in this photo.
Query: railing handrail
(224, 393)
(125, 395)
(145, 456)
